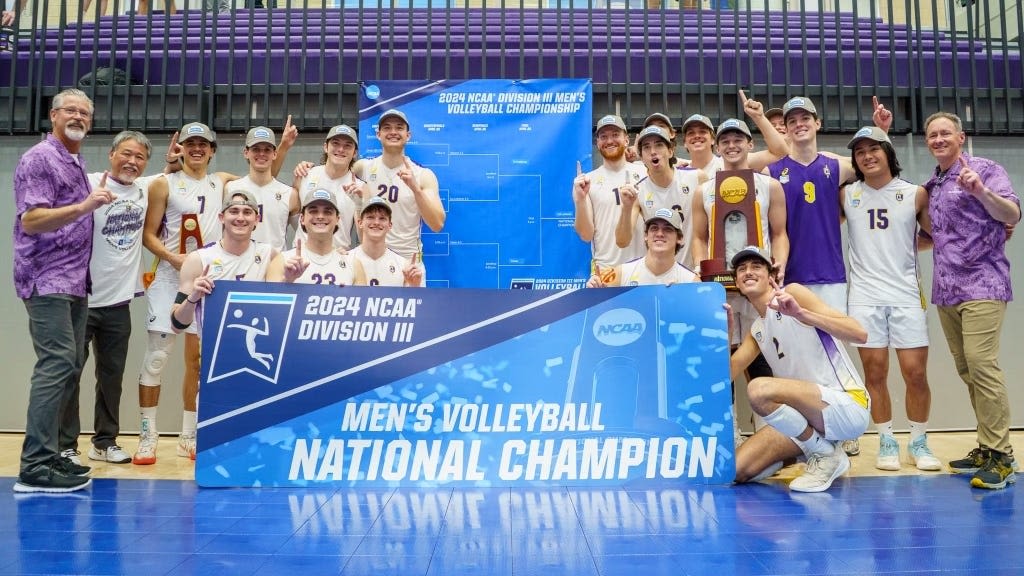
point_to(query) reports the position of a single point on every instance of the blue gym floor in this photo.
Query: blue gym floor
(869, 525)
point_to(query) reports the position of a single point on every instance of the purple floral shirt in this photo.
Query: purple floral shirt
(57, 262)
(970, 259)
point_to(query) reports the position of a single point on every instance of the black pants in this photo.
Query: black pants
(109, 330)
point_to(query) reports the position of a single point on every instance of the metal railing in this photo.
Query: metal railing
(307, 59)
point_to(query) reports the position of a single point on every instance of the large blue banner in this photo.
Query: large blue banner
(308, 385)
(505, 154)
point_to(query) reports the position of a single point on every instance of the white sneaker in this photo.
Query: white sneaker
(73, 455)
(821, 471)
(113, 454)
(187, 446)
(921, 455)
(146, 454)
(851, 447)
(888, 453)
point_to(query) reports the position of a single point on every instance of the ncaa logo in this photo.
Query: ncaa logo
(619, 327)
(373, 92)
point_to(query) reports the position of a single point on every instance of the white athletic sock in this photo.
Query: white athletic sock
(188, 422)
(148, 420)
(917, 429)
(816, 444)
(884, 427)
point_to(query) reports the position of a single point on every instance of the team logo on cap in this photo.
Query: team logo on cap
(261, 133)
(862, 132)
(663, 213)
(321, 195)
(730, 124)
(196, 130)
(796, 102)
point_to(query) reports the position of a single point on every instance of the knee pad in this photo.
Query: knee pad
(156, 359)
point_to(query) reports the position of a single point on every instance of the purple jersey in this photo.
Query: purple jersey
(969, 252)
(812, 220)
(55, 262)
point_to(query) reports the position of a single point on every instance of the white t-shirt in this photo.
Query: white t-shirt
(117, 242)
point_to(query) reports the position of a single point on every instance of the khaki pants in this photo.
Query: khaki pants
(972, 331)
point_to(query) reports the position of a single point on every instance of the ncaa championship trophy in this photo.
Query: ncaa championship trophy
(191, 235)
(735, 222)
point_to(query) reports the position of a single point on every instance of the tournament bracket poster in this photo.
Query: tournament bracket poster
(505, 154)
(322, 386)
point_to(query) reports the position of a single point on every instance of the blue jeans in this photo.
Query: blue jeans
(56, 324)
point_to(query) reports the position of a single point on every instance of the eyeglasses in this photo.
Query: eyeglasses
(71, 111)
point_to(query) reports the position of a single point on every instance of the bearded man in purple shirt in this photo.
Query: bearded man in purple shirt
(52, 242)
(972, 207)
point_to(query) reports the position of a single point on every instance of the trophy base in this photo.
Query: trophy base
(715, 270)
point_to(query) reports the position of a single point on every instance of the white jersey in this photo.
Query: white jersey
(715, 165)
(317, 178)
(406, 219)
(762, 196)
(636, 273)
(222, 265)
(332, 268)
(606, 207)
(677, 196)
(800, 352)
(882, 225)
(274, 201)
(186, 195)
(117, 242)
(384, 271)
(250, 265)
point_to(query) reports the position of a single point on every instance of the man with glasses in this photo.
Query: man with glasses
(52, 239)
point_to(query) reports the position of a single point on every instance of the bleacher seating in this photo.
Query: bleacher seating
(609, 46)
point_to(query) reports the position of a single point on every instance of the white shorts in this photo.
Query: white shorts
(160, 297)
(832, 294)
(898, 327)
(845, 418)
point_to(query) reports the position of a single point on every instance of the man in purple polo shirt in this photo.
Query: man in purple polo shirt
(971, 203)
(52, 241)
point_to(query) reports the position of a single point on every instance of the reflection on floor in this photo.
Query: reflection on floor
(881, 525)
(909, 524)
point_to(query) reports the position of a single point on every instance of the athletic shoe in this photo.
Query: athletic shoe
(113, 454)
(888, 453)
(851, 447)
(146, 454)
(974, 460)
(73, 455)
(52, 479)
(67, 466)
(996, 473)
(821, 471)
(921, 455)
(187, 445)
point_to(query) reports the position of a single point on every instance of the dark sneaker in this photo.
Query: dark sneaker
(974, 461)
(50, 479)
(971, 463)
(68, 466)
(996, 473)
